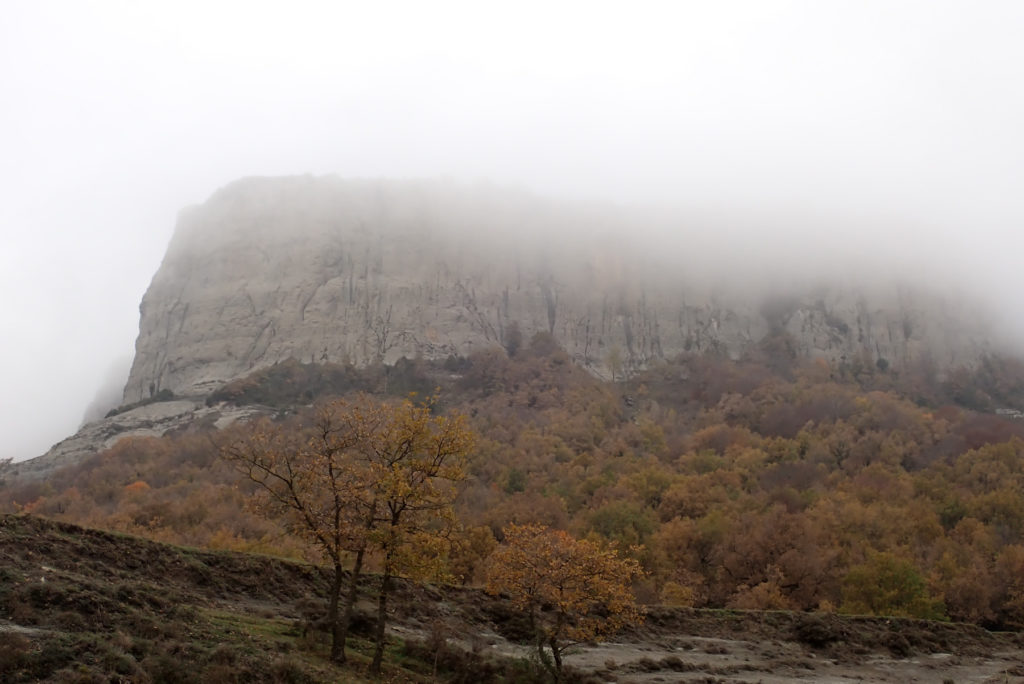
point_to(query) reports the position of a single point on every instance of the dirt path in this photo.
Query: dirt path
(678, 645)
(696, 659)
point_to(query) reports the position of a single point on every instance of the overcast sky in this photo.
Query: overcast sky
(903, 118)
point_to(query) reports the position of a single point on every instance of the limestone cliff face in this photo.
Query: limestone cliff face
(326, 269)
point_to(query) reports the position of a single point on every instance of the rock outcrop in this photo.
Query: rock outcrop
(326, 269)
(149, 420)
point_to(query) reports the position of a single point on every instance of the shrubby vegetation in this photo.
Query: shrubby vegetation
(162, 395)
(764, 483)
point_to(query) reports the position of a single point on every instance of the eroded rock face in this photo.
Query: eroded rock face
(325, 269)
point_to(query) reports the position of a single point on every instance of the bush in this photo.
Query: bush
(14, 649)
(162, 395)
(287, 671)
(887, 585)
(819, 630)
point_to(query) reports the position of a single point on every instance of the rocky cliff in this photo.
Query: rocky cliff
(326, 269)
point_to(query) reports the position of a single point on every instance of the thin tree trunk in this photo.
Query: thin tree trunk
(557, 655)
(341, 630)
(541, 653)
(544, 660)
(337, 644)
(382, 607)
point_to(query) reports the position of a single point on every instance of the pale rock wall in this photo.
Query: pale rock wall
(326, 269)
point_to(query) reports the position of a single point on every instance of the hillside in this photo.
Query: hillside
(80, 605)
(748, 485)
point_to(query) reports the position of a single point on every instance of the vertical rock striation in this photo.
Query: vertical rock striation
(326, 269)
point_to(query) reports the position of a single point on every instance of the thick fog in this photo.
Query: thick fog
(826, 132)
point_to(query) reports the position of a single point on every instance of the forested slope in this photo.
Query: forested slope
(767, 483)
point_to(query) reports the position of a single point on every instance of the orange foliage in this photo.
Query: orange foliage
(571, 590)
(750, 486)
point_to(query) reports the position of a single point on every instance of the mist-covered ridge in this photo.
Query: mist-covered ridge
(326, 269)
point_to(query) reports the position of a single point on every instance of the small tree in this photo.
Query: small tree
(414, 461)
(306, 477)
(364, 477)
(615, 362)
(571, 590)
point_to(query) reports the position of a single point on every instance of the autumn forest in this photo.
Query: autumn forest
(763, 483)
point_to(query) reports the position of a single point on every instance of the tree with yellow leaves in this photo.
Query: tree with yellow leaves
(414, 461)
(364, 477)
(571, 590)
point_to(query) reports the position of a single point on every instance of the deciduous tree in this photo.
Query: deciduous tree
(308, 476)
(572, 590)
(414, 460)
(365, 477)
(889, 585)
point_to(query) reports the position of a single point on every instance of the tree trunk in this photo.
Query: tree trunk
(382, 607)
(337, 643)
(341, 630)
(557, 655)
(542, 655)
